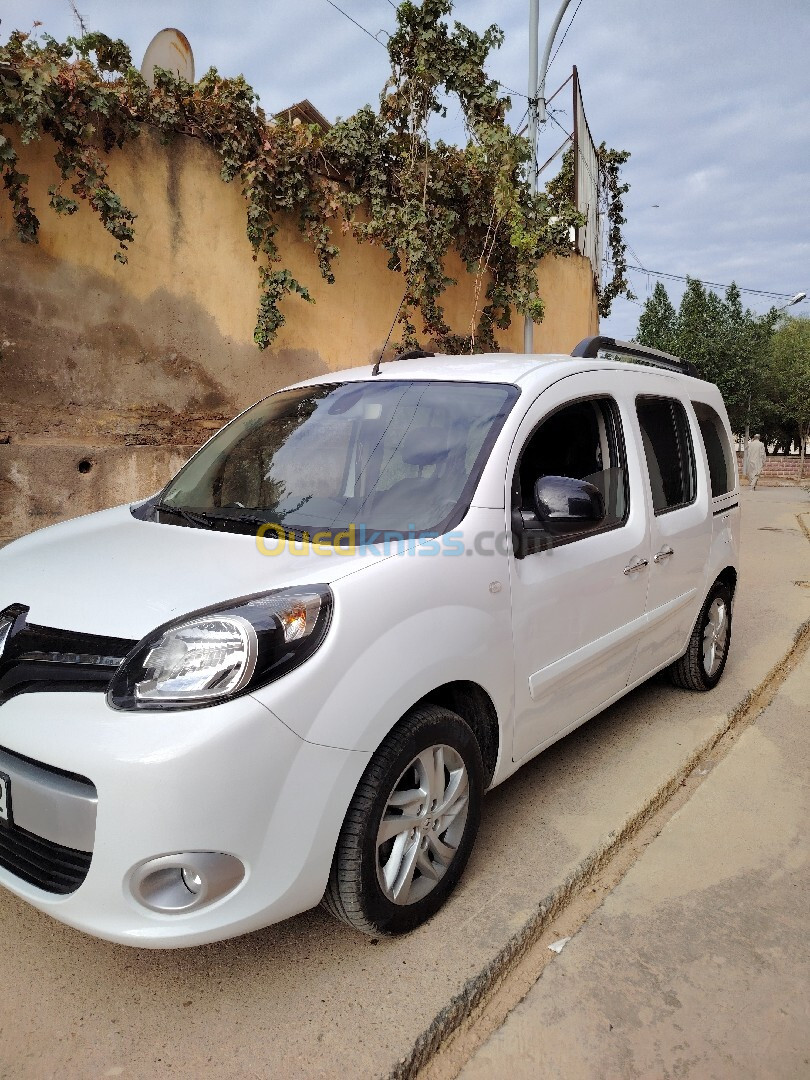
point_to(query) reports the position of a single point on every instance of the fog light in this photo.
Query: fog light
(192, 881)
(185, 881)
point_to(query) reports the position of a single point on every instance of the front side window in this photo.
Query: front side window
(384, 455)
(722, 473)
(668, 450)
(582, 441)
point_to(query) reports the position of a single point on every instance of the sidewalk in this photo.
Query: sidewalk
(698, 963)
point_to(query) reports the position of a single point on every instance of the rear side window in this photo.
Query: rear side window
(668, 449)
(718, 451)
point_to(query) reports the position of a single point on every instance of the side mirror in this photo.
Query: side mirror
(564, 501)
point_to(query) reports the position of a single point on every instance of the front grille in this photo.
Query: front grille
(43, 658)
(40, 862)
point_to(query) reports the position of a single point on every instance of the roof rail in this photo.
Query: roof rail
(590, 347)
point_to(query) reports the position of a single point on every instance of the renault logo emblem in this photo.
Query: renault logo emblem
(6, 624)
(10, 618)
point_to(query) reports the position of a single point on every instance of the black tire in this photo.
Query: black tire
(692, 672)
(356, 893)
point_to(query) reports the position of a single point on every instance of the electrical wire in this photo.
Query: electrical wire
(562, 39)
(554, 120)
(509, 90)
(712, 284)
(661, 274)
(357, 24)
(503, 86)
(635, 255)
(518, 127)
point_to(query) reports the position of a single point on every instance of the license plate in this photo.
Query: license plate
(5, 798)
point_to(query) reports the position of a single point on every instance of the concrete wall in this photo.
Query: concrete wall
(123, 369)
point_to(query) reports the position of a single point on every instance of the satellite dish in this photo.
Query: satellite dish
(170, 50)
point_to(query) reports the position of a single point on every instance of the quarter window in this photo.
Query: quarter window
(718, 452)
(668, 449)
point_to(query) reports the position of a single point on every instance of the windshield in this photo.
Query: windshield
(382, 455)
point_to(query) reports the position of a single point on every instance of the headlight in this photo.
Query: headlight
(221, 652)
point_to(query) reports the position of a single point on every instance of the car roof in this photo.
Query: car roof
(520, 369)
(478, 367)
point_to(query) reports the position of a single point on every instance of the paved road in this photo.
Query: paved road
(698, 963)
(309, 998)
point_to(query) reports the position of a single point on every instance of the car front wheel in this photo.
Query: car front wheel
(411, 825)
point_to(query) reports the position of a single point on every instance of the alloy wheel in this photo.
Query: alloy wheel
(422, 824)
(715, 636)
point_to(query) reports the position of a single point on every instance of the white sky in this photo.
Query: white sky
(710, 96)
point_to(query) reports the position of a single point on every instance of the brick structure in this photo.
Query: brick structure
(786, 466)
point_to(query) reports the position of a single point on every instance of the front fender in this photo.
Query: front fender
(401, 628)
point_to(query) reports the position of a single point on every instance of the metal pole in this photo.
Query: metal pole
(534, 46)
(541, 89)
(537, 110)
(804, 435)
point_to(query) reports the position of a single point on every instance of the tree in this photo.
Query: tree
(657, 326)
(728, 344)
(742, 357)
(787, 379)
(694, 336)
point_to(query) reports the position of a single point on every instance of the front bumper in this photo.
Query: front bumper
(231, 778)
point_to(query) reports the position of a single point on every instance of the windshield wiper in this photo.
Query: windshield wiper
(199, 518)
(206, 518)
(251, 519)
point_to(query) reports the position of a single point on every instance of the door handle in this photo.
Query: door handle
(664, 553)
(635, 565)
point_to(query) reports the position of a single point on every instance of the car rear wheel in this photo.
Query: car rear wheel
(704, 661)
(411, 825)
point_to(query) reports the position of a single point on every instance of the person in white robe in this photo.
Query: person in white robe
(756, 460)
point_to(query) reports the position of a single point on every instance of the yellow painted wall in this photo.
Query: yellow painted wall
(157, 352)
(190, 240)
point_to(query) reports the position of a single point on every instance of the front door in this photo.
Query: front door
(578, 607)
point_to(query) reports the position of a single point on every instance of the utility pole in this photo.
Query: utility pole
(537, 110)
(534, 43)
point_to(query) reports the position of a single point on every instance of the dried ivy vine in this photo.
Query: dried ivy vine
(377, 174)
(612, 194)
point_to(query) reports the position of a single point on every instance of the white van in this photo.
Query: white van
(290, 676)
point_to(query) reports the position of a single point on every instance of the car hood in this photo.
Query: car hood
(110, 573)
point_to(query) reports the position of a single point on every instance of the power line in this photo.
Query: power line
(629, 247)
(357, 24)
(554, 120)
(562, 39)
(712, 284)
(345, 14)
(518, 127)
(509, 89)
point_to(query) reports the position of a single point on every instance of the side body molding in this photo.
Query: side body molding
(547, 678)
